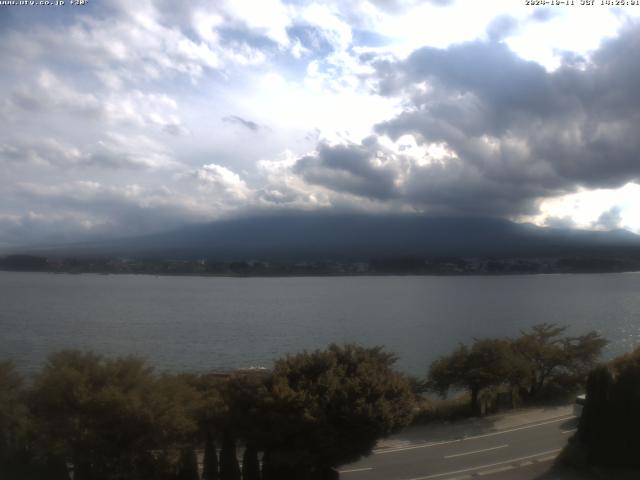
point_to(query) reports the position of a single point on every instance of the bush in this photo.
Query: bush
(116, 419)
(329, 407)
(610, 423)
(436, 409)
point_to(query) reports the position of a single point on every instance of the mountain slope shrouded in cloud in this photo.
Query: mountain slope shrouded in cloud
(316, 236)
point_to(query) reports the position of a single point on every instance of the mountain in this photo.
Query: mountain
(318, 236)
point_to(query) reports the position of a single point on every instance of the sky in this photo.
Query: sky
(130, 117)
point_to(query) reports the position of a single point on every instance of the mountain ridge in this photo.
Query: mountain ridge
(322, 236)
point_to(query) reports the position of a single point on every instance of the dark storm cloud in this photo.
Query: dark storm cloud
(350, 169)
(484, 72)
(518, 131)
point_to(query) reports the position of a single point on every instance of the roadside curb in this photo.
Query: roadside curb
(400, 445)
(491, 469)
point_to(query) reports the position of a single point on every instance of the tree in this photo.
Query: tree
(244, 418)
(229, 468)
(107, 417)
(583, 352)
(549, 355)
(210, 461)
(13, 411)
(244, 412)
(542, 347)
(17, 457)
(188, 465)
(610, 421)
(596, 416)
(329, 407)
(212, 414)
(250, 464)
(489, 362)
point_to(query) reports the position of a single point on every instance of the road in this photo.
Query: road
(490, 454)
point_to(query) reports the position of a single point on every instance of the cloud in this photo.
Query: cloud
(519, 132)
(397, 6)
(253, 126)
(269, 16)
(117, 150)
(51, 94)
(543, 14)
(354, 169)
(222, 180)
(36, 228)
(98, 95)
(41, 151)
(559, 222)
(609, 219)
(501, 27)
(91, 208)
(113, 151)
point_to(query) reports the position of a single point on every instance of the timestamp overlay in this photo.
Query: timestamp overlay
(43, 3)
(582, 3)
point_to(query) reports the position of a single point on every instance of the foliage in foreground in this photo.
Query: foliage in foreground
(610, 421)
(117, 419)
(441, 409)
(539, 363)
(331, 406)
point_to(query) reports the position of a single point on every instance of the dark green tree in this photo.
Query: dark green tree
(250, 463)
(329, 407)
(187, 465)
(229, 468)
(487, 363)
(625, 406)
(108, 417)
(18, 459)
(13, 413)
(596, 416)
(210, 460)
(610, 421)
(550, 355)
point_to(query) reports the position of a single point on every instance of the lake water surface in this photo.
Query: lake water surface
(204, 323)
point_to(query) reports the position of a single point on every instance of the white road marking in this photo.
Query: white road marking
(353, 470)
(493, 471)
(491, 465)
(492, 434)
(568, 431)
(476, 451)
(519, 428)
(545, 459)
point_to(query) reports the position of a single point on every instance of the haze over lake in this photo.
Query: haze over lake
(213, 323)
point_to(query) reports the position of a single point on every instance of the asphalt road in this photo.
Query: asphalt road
(498, 454)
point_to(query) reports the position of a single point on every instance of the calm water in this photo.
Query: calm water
(200, 323)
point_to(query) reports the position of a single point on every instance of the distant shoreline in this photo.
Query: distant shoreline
(324, 275)
(397, 266)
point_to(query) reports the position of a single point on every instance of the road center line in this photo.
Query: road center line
(353, 470)
(476, 451)
(481, 467)
(473, 437)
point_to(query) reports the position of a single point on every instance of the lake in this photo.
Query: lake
(214, 323)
